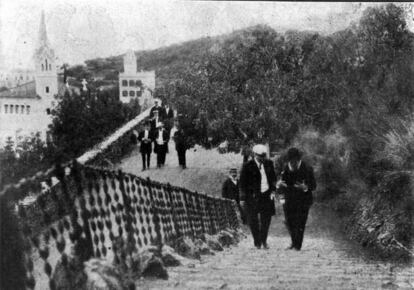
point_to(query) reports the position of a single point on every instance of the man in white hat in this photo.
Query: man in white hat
(258, 186)
(161, 138)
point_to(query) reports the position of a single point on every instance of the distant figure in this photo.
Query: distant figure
(169, 113)
(145, 139)
(181, 145)
(247, 151)
(223, 147)
(155, 120)
(157, 108)
(230, 190)
(257, 186)
(161, 138)
(296, 184)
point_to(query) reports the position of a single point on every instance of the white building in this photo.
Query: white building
(25, 108)
(135, 84)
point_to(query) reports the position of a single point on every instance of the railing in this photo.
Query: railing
(108, 214)
(111, 148)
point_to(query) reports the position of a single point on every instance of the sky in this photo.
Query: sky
(85, 29)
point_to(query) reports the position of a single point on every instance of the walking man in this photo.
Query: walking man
(297, 183)
(161, 138)
(257, 185)
(145, 139)
(181, 145)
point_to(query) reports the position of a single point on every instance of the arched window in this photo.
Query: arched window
(22, 109)
(16, 111)
(125, 83)
(11, 109)
(132, 93)
(131, 83)
(27, 110)
(125, 93)
(43, 67)
(47, 90)
(6, 109)
(139, 93)
(50, 67)
(48, 111)
(138, 83)
(46, 63)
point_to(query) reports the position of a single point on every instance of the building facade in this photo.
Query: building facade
(136, 85)
(25, 108)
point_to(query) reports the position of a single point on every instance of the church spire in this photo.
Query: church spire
(43, 41)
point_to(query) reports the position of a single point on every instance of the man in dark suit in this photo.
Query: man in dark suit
(296, 184)
(161, 138)
(181, 145)
(257, 185)
(145, 138)
(169, 113)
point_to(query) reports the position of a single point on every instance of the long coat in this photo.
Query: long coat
(146, 145)
(293, 195)
(250, 183)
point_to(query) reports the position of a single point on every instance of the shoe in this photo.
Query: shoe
(289, 248)
(258, 246)
(143, 169)
(266, 246)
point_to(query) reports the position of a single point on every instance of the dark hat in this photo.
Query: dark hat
(233, 170)
(293, 153)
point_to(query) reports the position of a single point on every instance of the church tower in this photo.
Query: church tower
(130, 62)
(45, 67)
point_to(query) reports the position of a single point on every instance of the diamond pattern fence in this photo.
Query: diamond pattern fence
(95, 212)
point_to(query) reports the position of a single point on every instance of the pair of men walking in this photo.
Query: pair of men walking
(160, 137)
(258, 186)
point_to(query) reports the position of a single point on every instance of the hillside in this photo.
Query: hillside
(169, 62)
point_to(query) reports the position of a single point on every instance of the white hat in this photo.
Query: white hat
(160, 124)
(259, 149)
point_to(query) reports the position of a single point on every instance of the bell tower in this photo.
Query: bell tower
(130, 62)
(45, 67)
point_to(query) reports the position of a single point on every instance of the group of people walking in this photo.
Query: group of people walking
(156, 134)
(260, 186)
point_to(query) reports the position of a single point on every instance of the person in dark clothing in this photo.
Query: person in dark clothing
(230, 187)
(161, 138)
(181, 145)
(296, 184)
(257, 186)
(145, 139)
(169, 113)
(230, 190)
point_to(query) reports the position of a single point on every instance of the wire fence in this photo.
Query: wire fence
(94, 212)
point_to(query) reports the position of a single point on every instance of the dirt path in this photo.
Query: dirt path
(327, 260)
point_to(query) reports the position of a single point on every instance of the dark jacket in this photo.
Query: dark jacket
(294, 195)
(161, 112)
(146, 145)
(165, 136)
(250, 182)
(230, 190)
(169, 114)
(181, 143)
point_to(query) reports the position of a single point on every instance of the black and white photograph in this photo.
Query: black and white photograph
(206, 145)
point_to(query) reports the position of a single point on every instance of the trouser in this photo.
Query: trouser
(161, 158)
(181, 157)
(259, 222)
(296, 216)
(146, 159)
